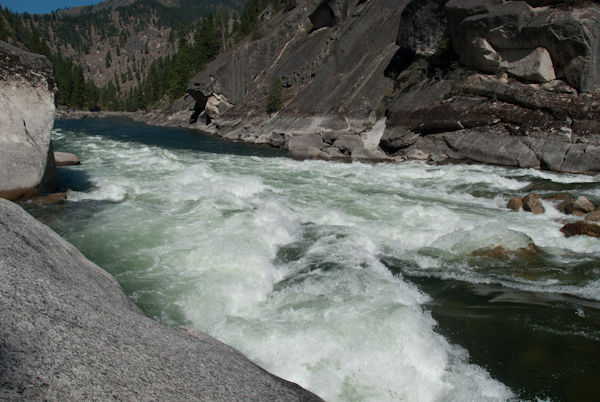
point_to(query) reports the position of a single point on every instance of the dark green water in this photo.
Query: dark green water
(359, 282)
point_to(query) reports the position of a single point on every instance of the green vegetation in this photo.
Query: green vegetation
(197, 31)
(275, 95)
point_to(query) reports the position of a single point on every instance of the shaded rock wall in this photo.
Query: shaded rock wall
(514, 83)
(69, 333)
(26, 120)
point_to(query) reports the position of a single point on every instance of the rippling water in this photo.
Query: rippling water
(359, 282)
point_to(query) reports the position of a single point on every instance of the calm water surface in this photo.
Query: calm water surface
(359, 282)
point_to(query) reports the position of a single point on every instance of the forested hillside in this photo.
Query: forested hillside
(130, 55)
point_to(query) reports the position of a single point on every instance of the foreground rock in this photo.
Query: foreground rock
(26, 119)
(69, 333)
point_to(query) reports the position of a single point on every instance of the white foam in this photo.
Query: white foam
(281, 259)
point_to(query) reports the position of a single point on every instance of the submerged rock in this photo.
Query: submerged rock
(66, 159)
(69, 333)
(501, 252)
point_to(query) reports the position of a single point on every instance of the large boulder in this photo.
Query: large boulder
(68, 332)
(26, 120)
(533, 43)
(490, 147)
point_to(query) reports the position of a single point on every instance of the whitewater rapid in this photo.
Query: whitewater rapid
(289, 261)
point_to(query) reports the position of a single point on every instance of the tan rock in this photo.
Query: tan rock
(578, 207)
(584, 228)
(515, 203)
(593, 216)
(531, 203)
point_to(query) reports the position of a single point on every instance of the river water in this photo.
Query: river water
(359, 282)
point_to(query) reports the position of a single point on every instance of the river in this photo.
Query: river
(359, 282)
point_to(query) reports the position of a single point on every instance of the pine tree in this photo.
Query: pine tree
(108, 59)
(275, 95)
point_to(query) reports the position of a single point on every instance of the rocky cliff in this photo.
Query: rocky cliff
(69, 333)
(505, 82)
(26, 120)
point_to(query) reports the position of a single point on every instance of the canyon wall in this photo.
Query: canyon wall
(513, 83)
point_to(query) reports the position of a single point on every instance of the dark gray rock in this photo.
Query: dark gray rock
(394, 140)
(69, 333)
(491, 147)
(483, 32)
(551, 153)
(582, 158)
(422, 26)
(26, 119)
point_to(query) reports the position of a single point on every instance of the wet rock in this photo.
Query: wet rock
(531, 203)
(578, 207)
(70, 333)
(593, 216)
(581, 228)
(66, 159)
(498, 252)
(515, 203)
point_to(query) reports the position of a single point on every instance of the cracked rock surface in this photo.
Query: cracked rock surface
(26, 120)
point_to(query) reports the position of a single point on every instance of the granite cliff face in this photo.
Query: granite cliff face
(69, 333)
(506, 82)
(26, 120)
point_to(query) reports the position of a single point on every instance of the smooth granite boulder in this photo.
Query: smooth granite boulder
(68, 332)
(26, 120)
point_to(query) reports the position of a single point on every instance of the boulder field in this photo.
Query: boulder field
(27, 88)
(68, 332)
(513, 83)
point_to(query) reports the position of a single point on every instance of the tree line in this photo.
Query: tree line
(165, 78)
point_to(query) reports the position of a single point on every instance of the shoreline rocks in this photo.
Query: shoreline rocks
(70, 333)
